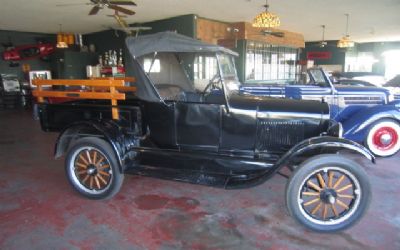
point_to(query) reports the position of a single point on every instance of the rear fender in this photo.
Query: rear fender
(357, 127)
(109, 131)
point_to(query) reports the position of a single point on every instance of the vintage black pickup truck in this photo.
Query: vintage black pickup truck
(186, 120)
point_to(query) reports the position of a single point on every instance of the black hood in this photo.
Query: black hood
(281, 105)
(282, 123)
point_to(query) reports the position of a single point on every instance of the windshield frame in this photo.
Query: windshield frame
(326, 83)
(231, 78)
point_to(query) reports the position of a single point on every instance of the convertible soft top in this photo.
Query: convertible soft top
(170, 42)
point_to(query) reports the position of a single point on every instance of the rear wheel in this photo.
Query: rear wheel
(383, 138)
(92, 169)
(328, 193)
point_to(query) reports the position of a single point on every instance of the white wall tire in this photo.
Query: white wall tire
(383, 138)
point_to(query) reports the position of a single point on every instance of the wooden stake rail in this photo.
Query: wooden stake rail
(98, 88)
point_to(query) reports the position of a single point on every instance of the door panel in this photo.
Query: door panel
(238, 130)
(160, 119)
(198, 125)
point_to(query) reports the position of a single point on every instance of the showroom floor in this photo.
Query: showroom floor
(39, 210)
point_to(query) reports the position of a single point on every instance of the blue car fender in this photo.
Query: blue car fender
(357, 126)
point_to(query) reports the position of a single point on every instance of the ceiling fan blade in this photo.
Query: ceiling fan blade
(120, 9)
(121, 2)
(122, 16)
(278, 34)
(94, 10)
(273, 33)
(71, 4)
(123, 23)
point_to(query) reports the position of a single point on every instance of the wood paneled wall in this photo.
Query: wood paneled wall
(290, 39)
(211, 31)
(214, 31)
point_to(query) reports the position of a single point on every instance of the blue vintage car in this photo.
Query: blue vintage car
(369, 115)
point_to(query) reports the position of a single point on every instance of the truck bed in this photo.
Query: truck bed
(62, 102)
(56, 117)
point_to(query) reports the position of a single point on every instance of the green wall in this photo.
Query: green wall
(114, 40)
(185, 25)
(338, 54)
(378, 48)
(108, 40)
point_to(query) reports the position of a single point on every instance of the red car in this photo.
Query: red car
(26, 52)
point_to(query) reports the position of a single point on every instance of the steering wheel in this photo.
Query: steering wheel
(212, 83)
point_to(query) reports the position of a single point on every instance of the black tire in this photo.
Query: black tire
(300, 194)
(100, 179)
(384, 127)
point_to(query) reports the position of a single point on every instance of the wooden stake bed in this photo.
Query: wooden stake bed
(112, 89)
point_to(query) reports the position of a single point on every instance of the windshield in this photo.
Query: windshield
(228, 73)
(227, 66)
(318, 77)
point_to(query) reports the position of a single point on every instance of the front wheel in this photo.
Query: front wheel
(92, 168)
(383, 139)
(328, 193)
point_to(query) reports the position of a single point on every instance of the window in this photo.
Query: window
(268, 62)
(360, 62)
(155, 68)
(205, 67)
(392, 63)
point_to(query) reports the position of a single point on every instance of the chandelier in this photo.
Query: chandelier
(346, 42)
(266, 19)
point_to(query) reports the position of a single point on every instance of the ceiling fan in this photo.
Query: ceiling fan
(120, 20)
(273, 33)
(111, 4)
(267, 32)
(123, 25)
(322, 43)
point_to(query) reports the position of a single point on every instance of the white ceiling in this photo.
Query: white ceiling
(370, 20)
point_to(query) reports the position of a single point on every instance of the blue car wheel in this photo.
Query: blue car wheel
(383, 138)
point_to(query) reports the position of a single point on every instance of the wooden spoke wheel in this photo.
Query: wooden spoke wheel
(328, 193)
(92, 168)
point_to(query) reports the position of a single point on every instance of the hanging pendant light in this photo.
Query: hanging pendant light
(266, 19)
(346, 42)
(62, 40)
(323, 43)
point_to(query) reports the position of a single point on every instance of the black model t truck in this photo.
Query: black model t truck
(182, 117)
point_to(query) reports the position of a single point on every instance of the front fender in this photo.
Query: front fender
(357, 127)
(322, 145)
(307, 148)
